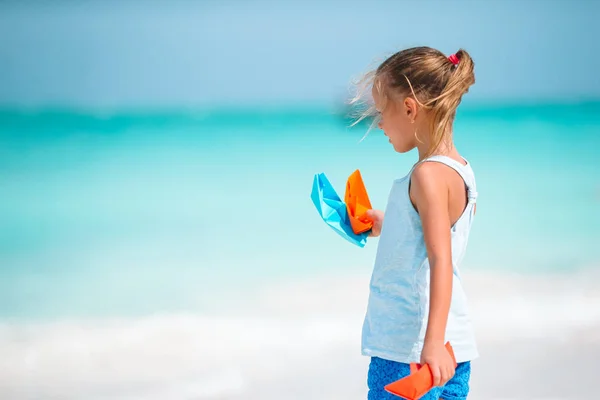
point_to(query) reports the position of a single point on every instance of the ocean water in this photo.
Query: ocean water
(177, 254)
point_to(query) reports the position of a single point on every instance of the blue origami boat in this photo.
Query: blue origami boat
(333, 210)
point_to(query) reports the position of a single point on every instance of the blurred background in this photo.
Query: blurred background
(157, 237)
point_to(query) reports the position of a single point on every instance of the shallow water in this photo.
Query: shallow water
(177, 254)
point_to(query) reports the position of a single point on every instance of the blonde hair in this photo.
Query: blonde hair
(435, 82)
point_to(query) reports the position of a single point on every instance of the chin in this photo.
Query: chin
(402, 149)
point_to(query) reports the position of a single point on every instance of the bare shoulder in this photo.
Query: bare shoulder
(429, 178)
(434, 184)
(428, 187)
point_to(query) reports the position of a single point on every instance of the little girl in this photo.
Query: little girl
(416, 300)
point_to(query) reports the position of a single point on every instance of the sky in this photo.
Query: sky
(194, 53)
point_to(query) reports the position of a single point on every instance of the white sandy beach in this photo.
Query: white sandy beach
(302, 341)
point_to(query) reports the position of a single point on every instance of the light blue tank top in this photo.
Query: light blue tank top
(396, 318)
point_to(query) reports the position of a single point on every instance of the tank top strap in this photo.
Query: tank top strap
(465, 172)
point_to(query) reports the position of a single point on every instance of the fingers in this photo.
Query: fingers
(445, 378)
(441, 374)
(374, 215)
(371, 214)
(436, 372)
(446, 374)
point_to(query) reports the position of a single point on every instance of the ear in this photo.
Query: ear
(411, 108)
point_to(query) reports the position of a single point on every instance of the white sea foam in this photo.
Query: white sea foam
(293, 341)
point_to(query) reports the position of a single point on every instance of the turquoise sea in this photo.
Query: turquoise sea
(189, 215)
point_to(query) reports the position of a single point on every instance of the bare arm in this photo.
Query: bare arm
(429, 193)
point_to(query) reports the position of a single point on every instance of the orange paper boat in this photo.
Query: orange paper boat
(418, 383)
(357, 203)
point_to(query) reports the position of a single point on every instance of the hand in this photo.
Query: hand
(440, 362)
(377, 217)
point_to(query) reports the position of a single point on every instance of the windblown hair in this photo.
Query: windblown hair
(436, 82)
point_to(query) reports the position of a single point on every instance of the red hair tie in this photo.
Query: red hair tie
(454, 59)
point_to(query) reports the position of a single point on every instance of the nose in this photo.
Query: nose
(380, 124)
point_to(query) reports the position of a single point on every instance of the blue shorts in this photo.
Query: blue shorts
(382, 372)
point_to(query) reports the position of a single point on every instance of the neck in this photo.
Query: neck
(446, 148)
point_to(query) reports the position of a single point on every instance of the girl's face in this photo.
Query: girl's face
(397, 121)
